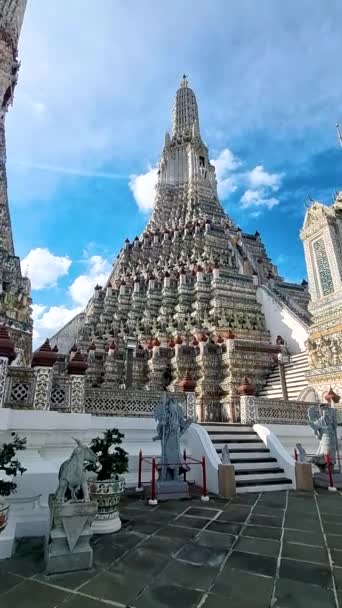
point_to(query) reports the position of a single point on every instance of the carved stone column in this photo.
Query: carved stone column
(3, 375)
(43, 361)
(76, 369)
(7, 355)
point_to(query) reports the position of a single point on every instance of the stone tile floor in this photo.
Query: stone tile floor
(268, 550)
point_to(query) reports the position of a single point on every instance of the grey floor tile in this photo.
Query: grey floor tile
(8, 581)
(234, 514)
(190, 522)
(125, 538)
(143, 561)
(332, 528)
(32, 594)
(198, 512)
(215, 539)
(214, 601)
(262, 532)
(224, 527)
(338, 577)
(336, 557)
(294, 594)
(188, 575)
(68, 580)
(312, 574)
(302, 523)
(305, 553)
(79, 601)
(258, 546)
(244, 499)
(243, 589)
(168, 596)
(162, 544)
(202, 556)
(259, 564)
(304, 538)
(265, 520)
(117, 585)
(174, 531)
(264, 509)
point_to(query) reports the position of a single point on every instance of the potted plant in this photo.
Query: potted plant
(108, 485)
(11, 467)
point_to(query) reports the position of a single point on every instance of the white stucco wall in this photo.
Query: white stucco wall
(281, 321)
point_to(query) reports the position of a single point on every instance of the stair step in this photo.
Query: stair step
(263, 488)
(251, 458)
(231, 442)
(253, 450)
(229, 437)
(255, 465)
(262, 482)
(258, 471)
(248, 434)
(257, 477)
(240, 448)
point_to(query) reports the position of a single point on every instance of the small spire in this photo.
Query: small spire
(184, 81)
(339, 134)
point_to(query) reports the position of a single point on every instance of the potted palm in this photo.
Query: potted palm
(11, 467)
(109, 483)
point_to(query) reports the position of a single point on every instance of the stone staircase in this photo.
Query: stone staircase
(255, 469)
(295, 379)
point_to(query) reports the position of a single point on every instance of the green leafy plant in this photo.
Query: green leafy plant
(114, 462)
(9, 464)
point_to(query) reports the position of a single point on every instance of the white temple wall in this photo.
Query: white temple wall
(281, 321)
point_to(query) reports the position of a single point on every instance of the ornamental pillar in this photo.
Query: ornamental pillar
(43, 361)
(7, 355)
(76, 369)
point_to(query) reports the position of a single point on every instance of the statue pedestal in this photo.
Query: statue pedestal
(226, 480)
(166, 490)
(304, 480)
(68, 548)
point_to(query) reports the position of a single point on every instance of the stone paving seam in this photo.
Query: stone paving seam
(328, 551)
(232, 547)
(281, 543)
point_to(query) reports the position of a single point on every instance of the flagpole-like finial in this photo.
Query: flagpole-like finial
(184, 81)
(339, 134)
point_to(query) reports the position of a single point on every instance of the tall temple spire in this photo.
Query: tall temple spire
(11, 18)
(185, 111)
(15, 311)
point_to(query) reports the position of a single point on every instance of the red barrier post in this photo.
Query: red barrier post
(184, 458)
(139, 487)
(329, 466)
(204, 497)
(153, 499)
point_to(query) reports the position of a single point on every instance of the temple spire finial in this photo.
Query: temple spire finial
(184, 81)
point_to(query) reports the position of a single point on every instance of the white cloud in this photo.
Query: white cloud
(49, 320)
(44, 268)
(259, 178)
(258, 198)
(143, 188)
(225, 164)
(81, 288)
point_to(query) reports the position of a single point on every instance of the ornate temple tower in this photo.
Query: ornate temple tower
(180, 307)
(14, 289)
(322, 239)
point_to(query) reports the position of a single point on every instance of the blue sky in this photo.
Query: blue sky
(94, 98)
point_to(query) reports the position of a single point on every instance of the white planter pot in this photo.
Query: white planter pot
(4, 509)
(107, 494)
